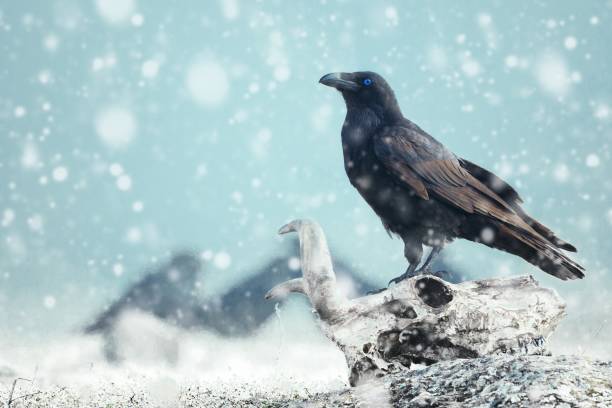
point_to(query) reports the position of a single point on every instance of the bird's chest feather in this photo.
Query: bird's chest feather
(360, 162)
(368, 175)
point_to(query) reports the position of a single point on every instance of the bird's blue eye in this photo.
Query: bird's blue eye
(367, 82)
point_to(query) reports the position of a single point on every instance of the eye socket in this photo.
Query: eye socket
(367, 82)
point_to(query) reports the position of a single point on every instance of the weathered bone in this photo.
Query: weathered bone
(422, 319)
(319, 282)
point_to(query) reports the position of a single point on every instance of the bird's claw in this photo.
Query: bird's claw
(397, 279)
(422, 271)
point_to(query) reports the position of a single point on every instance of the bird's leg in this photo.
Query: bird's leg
(410, 272)
(413, 251)
(427, 264)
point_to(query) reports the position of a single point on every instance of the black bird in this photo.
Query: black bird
(426, 194)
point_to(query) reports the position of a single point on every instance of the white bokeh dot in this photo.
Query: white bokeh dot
(115, 169)
(553, 75)
(60, 173)
(115, 11)
(592, 160)
(137, 206)
(118, 269)
(570, 42)
(133, 235)
(51, 42)
(512, 61)
(207, 82)
(36, 223)
(49, 302)
(561, 173)
(487, 235)
(150, 68)
(602, 111)
(484, 20)
(222, 260)
(19, 112)
(294, 263)
(137, 20)
(207, 255)
(124, 182)
(116, 127)
(282, 73)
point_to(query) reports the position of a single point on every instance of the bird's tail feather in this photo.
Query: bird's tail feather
(512, 198)
(548, 234)
(535, 249)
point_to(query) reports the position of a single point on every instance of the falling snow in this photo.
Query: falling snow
(230, 9)
(592, 160)
(561, 173)
(116, 127)
(570, 42)
(222, 260)
(60, 173)
(124, 182)
(294, 263)
(49, 301)
(208, 83)
(115, 11)
(137, 206)
(150, 68)
(134, 130)
(20, 112)
(553, 75)
(602, 111)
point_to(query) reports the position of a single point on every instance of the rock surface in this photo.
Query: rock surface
(507, 381)
(494, 381)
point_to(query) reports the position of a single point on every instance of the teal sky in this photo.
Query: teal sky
(134, 129)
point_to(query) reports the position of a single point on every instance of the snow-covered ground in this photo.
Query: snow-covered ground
(288, 356)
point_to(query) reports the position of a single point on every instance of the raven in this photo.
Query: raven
(427, 195)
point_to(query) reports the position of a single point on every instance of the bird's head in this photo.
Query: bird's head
(364, 89)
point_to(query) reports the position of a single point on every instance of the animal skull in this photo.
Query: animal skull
(422, 319)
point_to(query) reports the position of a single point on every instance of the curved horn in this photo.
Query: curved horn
(283, 289)
(319, 282)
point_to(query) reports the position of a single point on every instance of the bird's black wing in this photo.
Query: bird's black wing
(426, 166)
(421, 163)
(503, 189)
(510, 196)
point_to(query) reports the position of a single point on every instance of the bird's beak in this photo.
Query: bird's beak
(339, 80)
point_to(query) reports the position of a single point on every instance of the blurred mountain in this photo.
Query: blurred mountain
(167, 292)
(170, 293)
